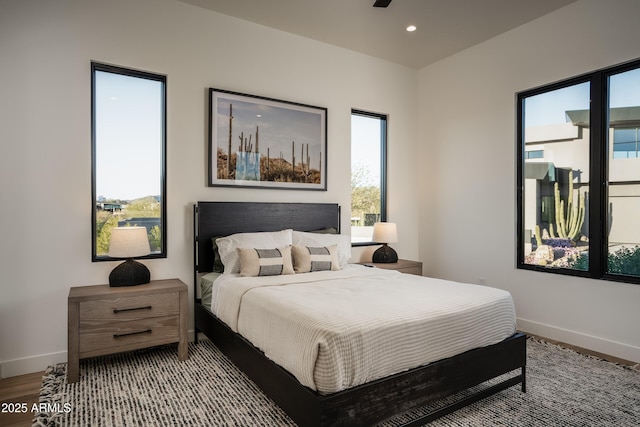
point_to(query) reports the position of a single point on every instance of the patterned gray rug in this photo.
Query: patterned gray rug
(151, 387)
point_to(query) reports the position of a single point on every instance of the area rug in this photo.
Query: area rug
(151, 388)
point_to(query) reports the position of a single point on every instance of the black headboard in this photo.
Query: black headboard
(215, 219)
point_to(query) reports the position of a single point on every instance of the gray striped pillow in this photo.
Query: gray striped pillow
(265, 262)
(308, 258)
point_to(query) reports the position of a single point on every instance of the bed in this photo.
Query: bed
(360, 401)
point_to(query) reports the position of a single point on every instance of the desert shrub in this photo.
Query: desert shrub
(581, 261)
(625, 261)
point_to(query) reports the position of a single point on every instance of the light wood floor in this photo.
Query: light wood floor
(21, 389)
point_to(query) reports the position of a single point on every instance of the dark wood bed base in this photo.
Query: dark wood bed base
(362, 405)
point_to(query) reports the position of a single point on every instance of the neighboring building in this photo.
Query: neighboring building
(551, 152)
(111, 207)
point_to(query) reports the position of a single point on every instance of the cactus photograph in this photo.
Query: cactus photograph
(266, 143)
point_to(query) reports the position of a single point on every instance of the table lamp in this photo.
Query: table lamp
(385, 232)
(127, 243)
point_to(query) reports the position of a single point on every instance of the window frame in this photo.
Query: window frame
(598, 170)
(96, 67)
(384, 120)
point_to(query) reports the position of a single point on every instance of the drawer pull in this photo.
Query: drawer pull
(120, 310)
(146, 331)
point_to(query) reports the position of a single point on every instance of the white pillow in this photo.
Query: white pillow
(228, 246)
(307, 258)
(265, 262)
(343, 242)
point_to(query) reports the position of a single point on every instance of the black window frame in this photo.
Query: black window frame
(98, 66)
(384, 119)
(598, 172)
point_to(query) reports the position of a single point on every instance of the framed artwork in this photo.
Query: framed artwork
(260, 142)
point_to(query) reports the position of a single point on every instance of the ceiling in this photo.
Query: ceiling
(444, 27)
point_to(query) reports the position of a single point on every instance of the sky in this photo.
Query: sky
(365, 146)
(625, 89)
(549, 108)
(128, 136)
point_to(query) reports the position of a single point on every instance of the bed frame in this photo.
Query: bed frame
(361, 405)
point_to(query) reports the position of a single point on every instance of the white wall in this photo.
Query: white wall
(467, 129)
(46, 49)
(463, 133)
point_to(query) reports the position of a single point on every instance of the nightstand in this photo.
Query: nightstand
(105, 320)
(403, 266)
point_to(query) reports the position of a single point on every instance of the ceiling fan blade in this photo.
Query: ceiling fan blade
(381, 3)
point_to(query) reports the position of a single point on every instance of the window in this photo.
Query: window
(534, 154)
(128, 155)
(625, 143)
(368, 174)
(579, 197)
(623, 175)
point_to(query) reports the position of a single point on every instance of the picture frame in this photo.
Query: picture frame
(259, 142)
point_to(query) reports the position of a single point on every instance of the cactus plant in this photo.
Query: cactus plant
(569, 221)
(538, 236)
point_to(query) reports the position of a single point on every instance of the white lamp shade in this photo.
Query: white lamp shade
(129, 242)
(385, 232)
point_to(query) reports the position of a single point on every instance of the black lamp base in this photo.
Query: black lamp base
(129, 273)
(385, 254)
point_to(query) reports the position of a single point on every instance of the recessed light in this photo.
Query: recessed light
(411, 28)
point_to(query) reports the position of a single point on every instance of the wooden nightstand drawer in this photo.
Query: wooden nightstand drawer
(125, 336)
(133, 307)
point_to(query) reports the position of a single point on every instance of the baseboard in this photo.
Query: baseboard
(589, 342)
(28, 365)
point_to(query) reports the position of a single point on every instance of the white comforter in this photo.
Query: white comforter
(338, 329)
